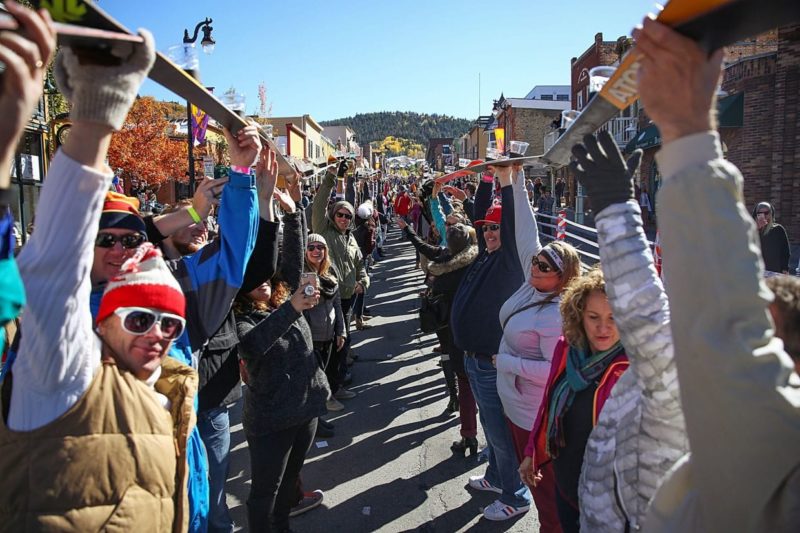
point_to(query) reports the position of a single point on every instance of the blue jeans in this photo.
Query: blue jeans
(503, 466)
(214, 426)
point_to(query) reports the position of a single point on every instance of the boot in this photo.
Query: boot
(466, 443)
(450, 381)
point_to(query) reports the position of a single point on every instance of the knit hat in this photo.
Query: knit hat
(493, 215)
(143, 281)
(316, 237)
(364, 210)
(120, 211)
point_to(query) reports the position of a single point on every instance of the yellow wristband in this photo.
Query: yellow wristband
(193, 214)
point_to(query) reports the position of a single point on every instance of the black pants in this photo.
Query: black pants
(568, 514)
(339, 361)
(275, 463)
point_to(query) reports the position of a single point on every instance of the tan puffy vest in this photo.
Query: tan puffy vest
(107, 464)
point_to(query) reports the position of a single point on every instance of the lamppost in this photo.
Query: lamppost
(208, 47)
(500, 107)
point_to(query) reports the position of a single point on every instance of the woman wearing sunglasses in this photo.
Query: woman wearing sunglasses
(326, 318)
(531, 329)
(286, 389)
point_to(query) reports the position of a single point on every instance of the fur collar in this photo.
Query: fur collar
(462, 259)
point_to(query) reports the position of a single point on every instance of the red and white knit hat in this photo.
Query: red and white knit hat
(143, 281)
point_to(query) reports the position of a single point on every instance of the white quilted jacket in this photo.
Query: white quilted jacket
(640, 433)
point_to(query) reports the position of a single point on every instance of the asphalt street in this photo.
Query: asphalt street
(389, 466)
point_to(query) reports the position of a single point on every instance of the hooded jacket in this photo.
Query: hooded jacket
(342, 246)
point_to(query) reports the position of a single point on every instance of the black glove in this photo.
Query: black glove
(602, 171)
(342, 169)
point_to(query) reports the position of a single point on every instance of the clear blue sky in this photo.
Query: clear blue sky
(335, 59)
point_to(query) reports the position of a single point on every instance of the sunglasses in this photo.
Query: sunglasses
(138, 321)
(108, 240)
(348, 216)
(312, 247)
(491, 227)
(543, 266)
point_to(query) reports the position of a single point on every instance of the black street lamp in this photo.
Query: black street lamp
(208, 44)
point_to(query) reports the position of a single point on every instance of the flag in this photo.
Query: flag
(199, 125)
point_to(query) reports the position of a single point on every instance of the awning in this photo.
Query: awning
(644, 139)
(730, 111)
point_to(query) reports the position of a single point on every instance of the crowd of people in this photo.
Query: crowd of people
(609, 400)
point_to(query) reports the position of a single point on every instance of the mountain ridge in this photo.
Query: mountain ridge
(417, 127)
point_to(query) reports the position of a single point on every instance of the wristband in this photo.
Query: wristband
(241, 170)
(193, 213)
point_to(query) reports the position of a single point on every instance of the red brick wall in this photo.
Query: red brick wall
(599, 53)
(767, 148)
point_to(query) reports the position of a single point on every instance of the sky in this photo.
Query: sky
(336, 59)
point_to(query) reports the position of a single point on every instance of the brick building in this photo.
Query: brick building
(767, 147)
(440, 153)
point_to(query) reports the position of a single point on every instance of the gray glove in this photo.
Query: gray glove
(602, 171)
(104, 94)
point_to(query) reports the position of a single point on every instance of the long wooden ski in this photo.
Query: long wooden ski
(164, 72)
(712, 23)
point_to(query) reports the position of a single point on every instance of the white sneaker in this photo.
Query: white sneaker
(479, 483)
(500, 511)
(334, 405)
(344, 394)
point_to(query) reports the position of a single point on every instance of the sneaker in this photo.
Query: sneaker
(479, 483)
(309, 501)
(344, 394)
(334, 405)
(500, 511)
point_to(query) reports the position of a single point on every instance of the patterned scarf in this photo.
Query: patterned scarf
(583, 369)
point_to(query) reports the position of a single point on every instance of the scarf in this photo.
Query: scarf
(583, 369)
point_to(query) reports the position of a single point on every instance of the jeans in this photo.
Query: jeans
(275, 463)
(503, 466)
(214, 427)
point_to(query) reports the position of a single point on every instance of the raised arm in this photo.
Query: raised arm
(526, 233)
(483, 200)
(212, 277)
(635, 291)
(739, 405)
(59, 351)
(320, 206)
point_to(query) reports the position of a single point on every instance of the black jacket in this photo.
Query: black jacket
(286, 386)
(218, 367)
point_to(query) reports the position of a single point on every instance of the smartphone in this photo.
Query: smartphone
(309, 279)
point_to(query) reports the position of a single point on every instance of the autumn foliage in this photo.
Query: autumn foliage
(143, 148)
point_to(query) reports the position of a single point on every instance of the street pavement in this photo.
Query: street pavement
(389, 466)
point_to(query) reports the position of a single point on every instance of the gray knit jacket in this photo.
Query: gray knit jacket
(640, 433)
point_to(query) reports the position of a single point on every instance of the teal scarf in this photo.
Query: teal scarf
(583, 369)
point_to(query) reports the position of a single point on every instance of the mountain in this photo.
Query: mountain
(416, 127)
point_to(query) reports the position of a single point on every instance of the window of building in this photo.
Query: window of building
(310, 148)
(580, 101)
(547, 97)
(562, 97)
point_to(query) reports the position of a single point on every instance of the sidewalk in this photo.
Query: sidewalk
(389, 467)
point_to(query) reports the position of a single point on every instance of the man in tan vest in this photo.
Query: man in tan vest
(94, 421)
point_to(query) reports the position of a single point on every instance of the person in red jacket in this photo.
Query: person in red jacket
(586, 365)
(402, 204)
